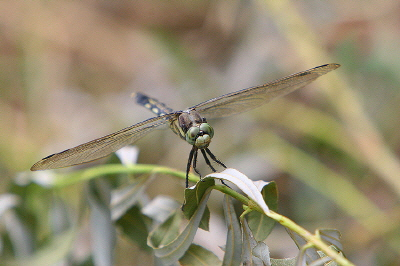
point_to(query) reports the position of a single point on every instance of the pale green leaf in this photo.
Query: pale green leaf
(173, 251)
(233, 247)
(243, 183)
(198, 256)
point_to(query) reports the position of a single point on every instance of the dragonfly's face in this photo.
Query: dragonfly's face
(195, 129)
(200, 136)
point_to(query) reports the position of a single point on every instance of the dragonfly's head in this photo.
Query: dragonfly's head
(200, 136)
(195, 129)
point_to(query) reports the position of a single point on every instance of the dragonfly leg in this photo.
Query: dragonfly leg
(195, 162)
(189, 163)
(214, 158)
(207, 160)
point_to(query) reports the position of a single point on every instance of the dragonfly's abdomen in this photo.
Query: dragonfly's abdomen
(152, 104)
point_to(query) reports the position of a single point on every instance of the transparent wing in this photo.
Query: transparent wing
(102, 147)
(247, 99)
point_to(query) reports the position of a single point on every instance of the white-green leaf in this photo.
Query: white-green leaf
(193, 196)
(53, 253)
(123, 199)
(261, 251)
(166, 232)
(102, 227)
(198, 256)
(233, 247)
(160, 208)
(254, 253)
(260, 224)
(172, 252)
(243, 183)
(128, 155)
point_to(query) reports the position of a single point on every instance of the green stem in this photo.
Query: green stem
(312, 239)
(101, 170)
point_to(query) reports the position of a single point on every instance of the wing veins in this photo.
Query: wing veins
(101, 147)
(249, 98)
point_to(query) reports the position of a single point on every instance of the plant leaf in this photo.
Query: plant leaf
(167, 231)
(128, 155)
(243, 183)
(313, 255)
(286, 262)
(233, 247)
(261, 251)
(160, 208)
(125, 198)
(199, 256)
(260, 224)
(193, 195)
(133, 225)
(331, 236)
(51, 253)
(173, 251)
(103, 231)
(250, 256)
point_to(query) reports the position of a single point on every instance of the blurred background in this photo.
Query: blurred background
(68, 70)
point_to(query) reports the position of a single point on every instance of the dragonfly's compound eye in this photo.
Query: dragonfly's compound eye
(191, 135)
(204, 136)
(207, 129)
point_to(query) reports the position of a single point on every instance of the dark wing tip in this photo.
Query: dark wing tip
(321, 70)
(331, 66)
(36, 167)
(40, 165)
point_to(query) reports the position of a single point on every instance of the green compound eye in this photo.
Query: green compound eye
(191, 135)
(207, 130)
(200, 136)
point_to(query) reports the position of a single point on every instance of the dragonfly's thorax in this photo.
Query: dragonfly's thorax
(195, 129)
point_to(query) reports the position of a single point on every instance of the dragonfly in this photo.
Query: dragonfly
(190, 125)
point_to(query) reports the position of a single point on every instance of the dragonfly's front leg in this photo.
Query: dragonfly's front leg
(195, 162)
(189, 164)
(207, 160)
(215, 159)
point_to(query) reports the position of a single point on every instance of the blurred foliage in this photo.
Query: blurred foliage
(117, 204)
(68, 69)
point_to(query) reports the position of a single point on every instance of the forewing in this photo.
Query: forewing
(247, 99)
(101, 147)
